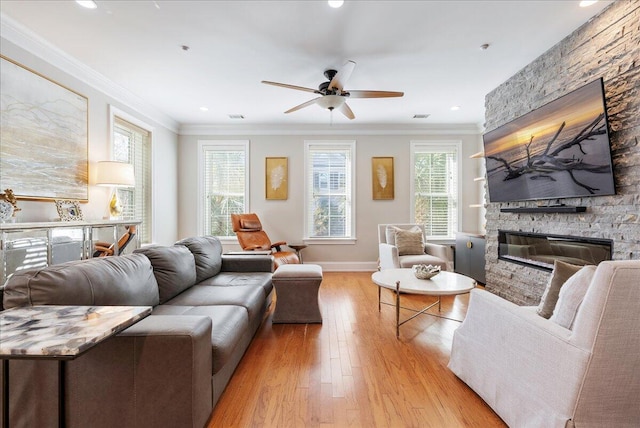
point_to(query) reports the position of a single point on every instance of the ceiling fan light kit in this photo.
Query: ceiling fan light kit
(332, 93)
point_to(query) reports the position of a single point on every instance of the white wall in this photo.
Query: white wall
(283, 220)
(164, 143)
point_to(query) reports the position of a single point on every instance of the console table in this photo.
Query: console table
(28, 245)
(60, 333)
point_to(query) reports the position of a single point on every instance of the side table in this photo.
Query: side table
(298, 248)
(59, 333)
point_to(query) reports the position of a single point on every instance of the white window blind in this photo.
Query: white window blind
(132, 144)
(224, 189)
(329, 189)
(435, 187)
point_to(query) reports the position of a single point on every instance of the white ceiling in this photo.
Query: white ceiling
(430, 50)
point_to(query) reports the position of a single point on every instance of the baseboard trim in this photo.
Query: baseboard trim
(346, 266)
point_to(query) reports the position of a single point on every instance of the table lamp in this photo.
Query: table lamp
(115, 174)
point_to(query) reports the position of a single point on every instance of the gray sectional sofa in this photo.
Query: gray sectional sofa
(169, 369)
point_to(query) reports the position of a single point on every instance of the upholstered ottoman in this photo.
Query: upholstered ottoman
(297, 288)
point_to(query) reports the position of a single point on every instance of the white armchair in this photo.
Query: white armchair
(391, 258)
(535, 373)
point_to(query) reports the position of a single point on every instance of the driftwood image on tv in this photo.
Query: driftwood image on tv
(560, 150)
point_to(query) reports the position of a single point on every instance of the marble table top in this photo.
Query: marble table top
(62, 332)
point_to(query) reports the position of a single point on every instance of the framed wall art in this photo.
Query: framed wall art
(276, 178)
(69, 210)
(43, 136)
(382, 178)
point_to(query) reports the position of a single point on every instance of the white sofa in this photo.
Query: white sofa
(535, 373)
(390, 258)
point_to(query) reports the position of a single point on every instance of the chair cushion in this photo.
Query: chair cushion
(174, 268)
(409, 241)
(561, 273)
(207, 251)
(571, 295)
(250, 224)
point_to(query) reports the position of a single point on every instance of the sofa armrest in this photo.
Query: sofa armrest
(388, 256)
(155, 373)
(159, 369)
(247, 263)
(444, 252)
(524, 366)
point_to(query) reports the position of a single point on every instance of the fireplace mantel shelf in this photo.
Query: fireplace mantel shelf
(568, 209)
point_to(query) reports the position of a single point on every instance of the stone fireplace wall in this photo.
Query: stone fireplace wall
(607, 46)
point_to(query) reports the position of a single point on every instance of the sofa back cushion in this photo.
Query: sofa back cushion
(207, 251)
(174, 269)
(123, 280)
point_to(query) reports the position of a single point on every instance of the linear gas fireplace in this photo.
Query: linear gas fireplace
(540, 250)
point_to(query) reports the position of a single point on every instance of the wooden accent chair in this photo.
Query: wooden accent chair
(104, 249)
(251, 237)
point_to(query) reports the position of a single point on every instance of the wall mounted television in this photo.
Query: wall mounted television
(560, 150)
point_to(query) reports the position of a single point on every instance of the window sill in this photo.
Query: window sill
(330, 241)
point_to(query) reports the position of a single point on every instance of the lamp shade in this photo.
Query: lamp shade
(115, 174)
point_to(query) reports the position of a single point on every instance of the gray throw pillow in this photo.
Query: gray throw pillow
(571, 295)
(561, 272)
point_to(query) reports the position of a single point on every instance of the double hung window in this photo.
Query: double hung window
(224, 172)
(329, 189)
(132, 144)
(434, 187)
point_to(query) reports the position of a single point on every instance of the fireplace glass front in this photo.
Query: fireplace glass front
(540, 251)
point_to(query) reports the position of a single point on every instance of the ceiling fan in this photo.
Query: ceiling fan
(333, 95)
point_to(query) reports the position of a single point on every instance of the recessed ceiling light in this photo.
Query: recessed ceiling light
(89, 4)
(420, 116)
(335, 3)
(455, 108)
(587, 3)
(236, 116)
(203, 108)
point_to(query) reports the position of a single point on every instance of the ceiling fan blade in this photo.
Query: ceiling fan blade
(341, 77)
(374, 94)
(303, 105)
(284, 85)
(344, 109)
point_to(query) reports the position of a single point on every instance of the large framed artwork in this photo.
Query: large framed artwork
(382, 177)
(276, 178)
(43, 136)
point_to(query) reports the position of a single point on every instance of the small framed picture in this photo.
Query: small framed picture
(382, 177)
(276, 178)
(69, 210)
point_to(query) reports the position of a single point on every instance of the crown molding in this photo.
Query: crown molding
(24, 38)
(361, 129)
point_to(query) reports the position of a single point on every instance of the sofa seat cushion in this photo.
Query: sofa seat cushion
(230, 324)
(123, 280)
(207, 251)
(174, 268)
(251, 298)
(253, 279)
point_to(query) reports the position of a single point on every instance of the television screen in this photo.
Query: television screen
(560, 150)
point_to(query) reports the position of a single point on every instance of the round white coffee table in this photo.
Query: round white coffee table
(404, 281)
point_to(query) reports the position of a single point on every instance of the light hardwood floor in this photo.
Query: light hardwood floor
(351, 371)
